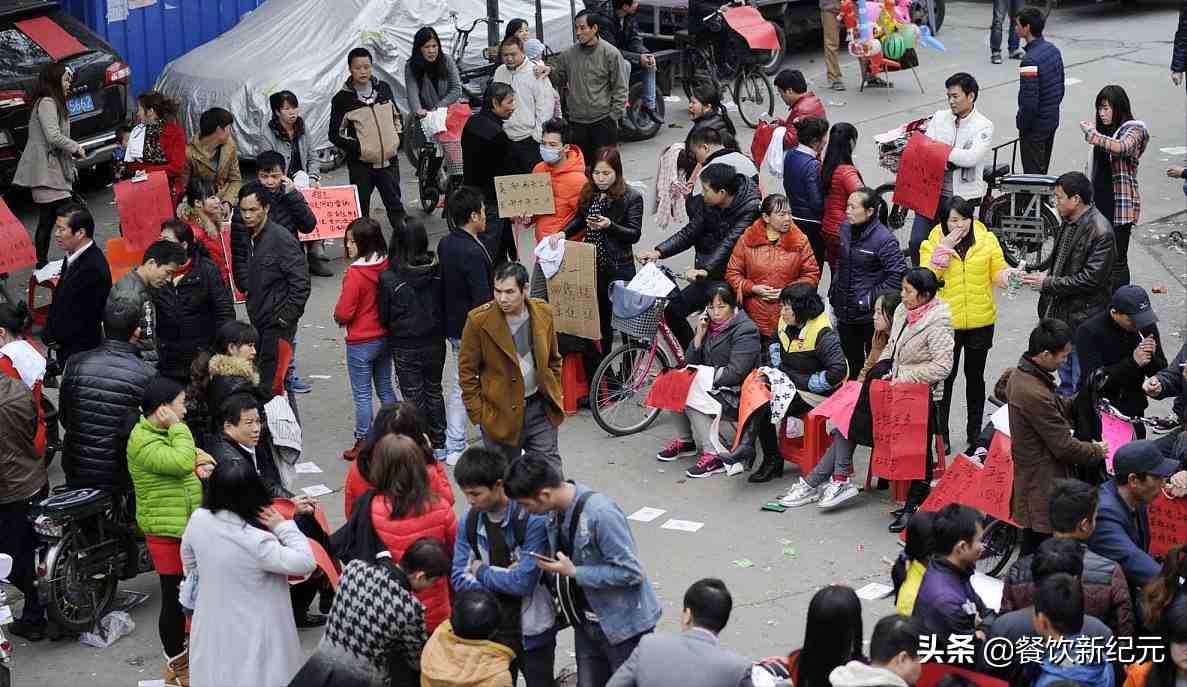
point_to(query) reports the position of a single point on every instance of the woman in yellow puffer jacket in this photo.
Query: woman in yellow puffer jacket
(967, 256)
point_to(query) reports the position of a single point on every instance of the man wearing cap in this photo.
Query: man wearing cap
(1123, 342)
(1122, 531)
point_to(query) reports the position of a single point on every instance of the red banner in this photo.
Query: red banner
(900, 429)
(670, 389)
(335, 207)
(16, 250)
(958, 482)
(1168, 524)
(839, 407)
(921, 175)
(143, 205)
(994, 487)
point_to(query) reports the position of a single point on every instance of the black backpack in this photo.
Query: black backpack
(519, 527)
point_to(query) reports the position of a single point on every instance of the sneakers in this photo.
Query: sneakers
(353, 452)
(734, 469)
(800, 495)
(836, 493)
(1017, 54)
(837, 85)
(707, 466)
(452, 459)
(298, 386)
(676, 448)
(995, 58)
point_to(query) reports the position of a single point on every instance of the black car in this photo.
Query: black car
(98, 100)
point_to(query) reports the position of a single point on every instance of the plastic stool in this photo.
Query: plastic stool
(574, 382)
(806, 451)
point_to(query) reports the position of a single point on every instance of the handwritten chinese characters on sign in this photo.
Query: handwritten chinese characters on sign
(1168, 524)
(900, 429)
(335, 207)
(573, 293)
(143, 204)
(522, 195)
(920, 177)
(16, 250)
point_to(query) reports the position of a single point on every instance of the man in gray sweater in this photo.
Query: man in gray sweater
(595, 99)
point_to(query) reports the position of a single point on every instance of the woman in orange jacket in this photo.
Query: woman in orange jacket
(771, 254)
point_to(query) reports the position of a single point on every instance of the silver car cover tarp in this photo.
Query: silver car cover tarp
(301, 46)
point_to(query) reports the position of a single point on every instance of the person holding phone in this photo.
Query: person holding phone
(1124, 343)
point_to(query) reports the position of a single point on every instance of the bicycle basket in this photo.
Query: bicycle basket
(635, 314)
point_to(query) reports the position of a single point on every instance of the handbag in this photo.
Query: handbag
(358, 538)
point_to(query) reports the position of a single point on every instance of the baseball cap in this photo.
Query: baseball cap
(1132, 300)
(1142, 457)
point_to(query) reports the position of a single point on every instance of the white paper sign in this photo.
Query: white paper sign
(875, 590)
(117, 10)
(682, 525)
(307, 468)
(646, 514)
(1001, 419)
(51, 270)
(317, 490)
(990, 589)
(650, 281)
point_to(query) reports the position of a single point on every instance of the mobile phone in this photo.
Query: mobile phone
(541, 557)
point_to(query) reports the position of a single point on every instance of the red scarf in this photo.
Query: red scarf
(915, 314)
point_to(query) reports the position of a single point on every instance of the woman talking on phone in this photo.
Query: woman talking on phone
(610, 216)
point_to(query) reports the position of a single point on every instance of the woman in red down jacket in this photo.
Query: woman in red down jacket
(394, 418)
(839, 178)
(405, 509)
(164, 142)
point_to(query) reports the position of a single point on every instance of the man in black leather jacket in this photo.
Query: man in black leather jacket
(716, 220)
(99, 403)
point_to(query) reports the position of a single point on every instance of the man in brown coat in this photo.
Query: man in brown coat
(1041, 431)
(509, 369)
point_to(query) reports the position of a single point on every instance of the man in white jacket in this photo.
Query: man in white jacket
(970, 134)
(535, 103)
(894, 657)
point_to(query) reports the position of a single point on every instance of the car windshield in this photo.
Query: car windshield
(20, 57)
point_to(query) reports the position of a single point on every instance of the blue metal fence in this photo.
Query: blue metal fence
(153, 35)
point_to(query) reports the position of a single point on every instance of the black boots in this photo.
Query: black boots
(915, 497)
(902, 519)
(772, 459)
(745, 452)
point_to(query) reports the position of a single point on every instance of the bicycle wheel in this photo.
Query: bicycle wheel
(998, 544)
(78, 597)
(889, 213)
(621, 383)
(1024, 252)
(754, 96)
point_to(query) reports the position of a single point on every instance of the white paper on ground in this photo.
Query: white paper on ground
(1177, 150)
(989, 589)
(646, 514)
(875, 590)
(682, 525)
(307, 468)
(650, 281)
(151, 683)
(1071, 81)
(317, 490)
(320, 377)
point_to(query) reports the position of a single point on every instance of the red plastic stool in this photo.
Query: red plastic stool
(806, 451)
(574, 382)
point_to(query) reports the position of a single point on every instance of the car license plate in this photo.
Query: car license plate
(80, 104)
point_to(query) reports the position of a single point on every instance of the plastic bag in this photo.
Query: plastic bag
(113, 626)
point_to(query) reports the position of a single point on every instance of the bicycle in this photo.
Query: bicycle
(752, 90)
(998, 542)
(622, 381)
(1027, 235)
(473, 79)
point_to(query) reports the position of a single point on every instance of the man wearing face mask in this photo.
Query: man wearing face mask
(535, 103)
(566, 165)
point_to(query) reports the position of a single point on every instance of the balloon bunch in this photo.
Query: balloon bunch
(886, 33)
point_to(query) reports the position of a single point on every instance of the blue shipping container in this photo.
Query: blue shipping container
(158, 32)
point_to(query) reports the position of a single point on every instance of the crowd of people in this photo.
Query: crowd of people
(166, 395)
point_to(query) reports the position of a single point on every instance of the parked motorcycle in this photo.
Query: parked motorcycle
(88, 542)
(5, 618)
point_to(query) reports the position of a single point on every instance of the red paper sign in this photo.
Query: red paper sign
(224, 237)
(143, 206)
(839, 407)
(1116, 433)
(1168, 524)
(752, 26)
(994, 487)
(959, 480)
(16, 250)
(50, 37)
(335, 207)
(921, 175)
(900, 429)
(670, 389)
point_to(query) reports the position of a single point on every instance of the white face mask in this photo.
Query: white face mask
(551, 155)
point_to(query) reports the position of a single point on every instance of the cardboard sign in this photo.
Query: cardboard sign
(16, 250)
(573, 293)
(839, 407)
(670, 389)
(921, 175)
(1116, 433)
(334, 207)
(522, 195)
(900, 429)
(1168, 524)
(994, 487)
(143, 205)
(224, 237)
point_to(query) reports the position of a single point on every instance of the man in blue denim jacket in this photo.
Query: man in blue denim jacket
(503, 565)
(621, 605)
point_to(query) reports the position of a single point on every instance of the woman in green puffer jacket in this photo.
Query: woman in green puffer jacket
(166, 474)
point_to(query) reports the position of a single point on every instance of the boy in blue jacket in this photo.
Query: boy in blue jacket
(1040, 92)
